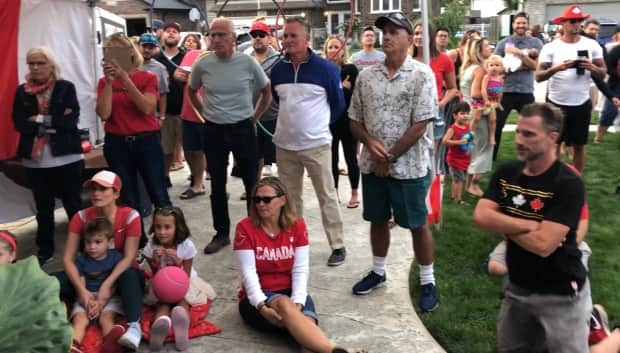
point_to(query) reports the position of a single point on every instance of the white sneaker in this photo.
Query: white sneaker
(274, 169)
(131, 338)
(267, 170)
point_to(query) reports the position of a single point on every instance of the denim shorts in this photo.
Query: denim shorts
(406, 199)
(609, 113)
(253, 318)
(439, 125)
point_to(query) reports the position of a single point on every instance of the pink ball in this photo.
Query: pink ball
(170, 284)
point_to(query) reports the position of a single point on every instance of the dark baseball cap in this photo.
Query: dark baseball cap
(172, 25)
(397, 18)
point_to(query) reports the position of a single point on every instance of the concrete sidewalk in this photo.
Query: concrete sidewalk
(381, 322)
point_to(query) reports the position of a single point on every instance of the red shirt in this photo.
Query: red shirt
(274, 257)
(126, 224)
(441, 65)
(126, 118)
(456, 157)
(187, 110)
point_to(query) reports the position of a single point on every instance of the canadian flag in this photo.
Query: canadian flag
(433, 200)
(9, 17)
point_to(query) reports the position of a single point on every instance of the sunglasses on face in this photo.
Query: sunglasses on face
(37, 63)
(264, 199)
(258, 34)
(574, 21)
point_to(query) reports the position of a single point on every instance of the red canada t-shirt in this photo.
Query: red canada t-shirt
(126, 224)
(274, 257)
(441, 64)
(126, 118)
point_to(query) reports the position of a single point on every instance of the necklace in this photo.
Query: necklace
(270, 233)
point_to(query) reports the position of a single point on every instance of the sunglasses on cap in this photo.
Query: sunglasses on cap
(264, 199)
(167, 211)
(258, 34)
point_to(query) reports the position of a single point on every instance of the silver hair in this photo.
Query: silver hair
(49, 55)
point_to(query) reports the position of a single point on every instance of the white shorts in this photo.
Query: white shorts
(114, 304)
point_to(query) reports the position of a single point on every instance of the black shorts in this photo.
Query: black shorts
(193, 136)
(576, 123)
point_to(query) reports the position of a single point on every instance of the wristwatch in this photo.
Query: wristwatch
(391, 158)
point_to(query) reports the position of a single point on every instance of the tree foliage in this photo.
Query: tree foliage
(453, 16)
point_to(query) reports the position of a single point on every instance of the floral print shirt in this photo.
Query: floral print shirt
(387, 107)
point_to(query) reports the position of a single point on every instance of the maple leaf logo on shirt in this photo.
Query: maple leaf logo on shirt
(240, 238)
(519, 200)
(536, 204)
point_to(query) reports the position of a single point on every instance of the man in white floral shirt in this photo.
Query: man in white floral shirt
(392, 109)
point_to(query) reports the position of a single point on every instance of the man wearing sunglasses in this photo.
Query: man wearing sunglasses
(569, 63)
(396, 131)
(266, 56)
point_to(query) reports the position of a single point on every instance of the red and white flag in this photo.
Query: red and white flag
(433, 200)
(9, 17)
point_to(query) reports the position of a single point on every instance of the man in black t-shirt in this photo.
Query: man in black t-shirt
(535, 203)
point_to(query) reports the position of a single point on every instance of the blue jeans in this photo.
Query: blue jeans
(221, 139)
(129, 155)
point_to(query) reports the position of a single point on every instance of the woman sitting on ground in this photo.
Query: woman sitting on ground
(105, 189)
(271, 246)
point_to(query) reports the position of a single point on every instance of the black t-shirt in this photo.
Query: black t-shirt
(556, 195)
(174, 98)
(613, 69)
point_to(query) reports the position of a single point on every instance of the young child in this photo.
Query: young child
(94, 265)
(458, 139)
(171, 246)
(492, 87)
(8, 247)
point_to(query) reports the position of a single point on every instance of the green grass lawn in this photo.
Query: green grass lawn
(470, 299)
(512, 117)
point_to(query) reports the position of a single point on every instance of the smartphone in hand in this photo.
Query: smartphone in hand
(581, 54)
(122, 56)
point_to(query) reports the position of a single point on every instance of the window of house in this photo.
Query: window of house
(337, 22)
(385, 5)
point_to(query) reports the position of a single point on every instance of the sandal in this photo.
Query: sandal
(190, 194)
(176, 166)
(353, 204)
(342, 171)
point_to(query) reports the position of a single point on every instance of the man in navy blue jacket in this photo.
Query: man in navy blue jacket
(308, 90)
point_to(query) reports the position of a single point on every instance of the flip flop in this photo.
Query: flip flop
(177, 166)
(190, 194)
(353, 204)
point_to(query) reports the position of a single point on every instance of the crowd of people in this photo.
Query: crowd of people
(294, 108)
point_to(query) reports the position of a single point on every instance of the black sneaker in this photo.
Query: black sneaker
(43, 259)
(337, 257)
(369, 283)
(428, 298)
(216, 244)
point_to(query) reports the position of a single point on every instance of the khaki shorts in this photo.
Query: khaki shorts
(171, 133)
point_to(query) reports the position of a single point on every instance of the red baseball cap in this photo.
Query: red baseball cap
(572, 12)
(260, 26)
(106, 179)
